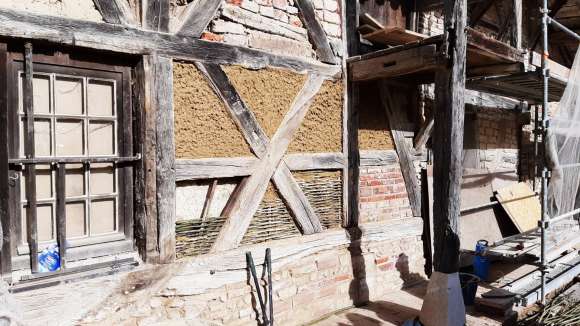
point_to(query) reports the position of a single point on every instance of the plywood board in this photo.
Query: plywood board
(521, 204)
(394, 36)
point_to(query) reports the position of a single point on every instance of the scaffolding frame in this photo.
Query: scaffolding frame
(541, 128)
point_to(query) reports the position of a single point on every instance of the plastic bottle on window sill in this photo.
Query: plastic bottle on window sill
(49, 259)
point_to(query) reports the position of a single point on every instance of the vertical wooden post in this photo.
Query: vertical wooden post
(448, 138)
(5, 230)
(28, 102)
(350, 117)
(155, 178)
(61, 212)
(163, 98)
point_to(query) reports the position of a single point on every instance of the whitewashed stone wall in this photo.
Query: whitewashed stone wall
(75, 9)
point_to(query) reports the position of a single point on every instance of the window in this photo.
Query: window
(82, 119)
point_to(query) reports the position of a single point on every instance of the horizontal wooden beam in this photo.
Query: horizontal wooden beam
(409, 61)
(230, 167)
(129, 40)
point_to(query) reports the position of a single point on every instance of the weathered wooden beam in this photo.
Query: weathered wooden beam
(430, 5)
(316, 32)
(424, 133)
(516, 26)
(289, 189)
(378, 158)
(393, 105)
(196, 17)
(409, 61)
(208, 199)
(29, 151)
(479, 11)
(155, 15)
(350, 116)
(123, 39)
(5, 228)
(448, 139)
(162, 79)
(250, 197)
(116, 12)
(215, 168)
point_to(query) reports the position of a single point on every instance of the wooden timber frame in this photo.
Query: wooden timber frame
(153, 44)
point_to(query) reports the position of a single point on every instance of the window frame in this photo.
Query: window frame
(83, 66)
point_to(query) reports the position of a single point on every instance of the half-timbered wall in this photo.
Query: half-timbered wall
(77, 9)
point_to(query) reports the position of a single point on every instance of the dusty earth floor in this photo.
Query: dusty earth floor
(400, 306)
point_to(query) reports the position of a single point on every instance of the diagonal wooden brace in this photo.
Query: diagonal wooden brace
(289, 189)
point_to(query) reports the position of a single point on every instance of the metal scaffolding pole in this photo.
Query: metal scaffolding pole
(545, 172)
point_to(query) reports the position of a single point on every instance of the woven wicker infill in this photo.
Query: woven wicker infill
(324, 191)
(272, 220)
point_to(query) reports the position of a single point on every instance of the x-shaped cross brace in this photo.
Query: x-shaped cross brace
(271, 164)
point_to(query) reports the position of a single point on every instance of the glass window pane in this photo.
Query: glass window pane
(42, 137)
(44, 222)
(70, 137)
(75, 180)
(41, 91)
(100, 98)
(101, 138)
(44, 180)
(68, 95)
(103, 216)
(75, 220)
(102, 179)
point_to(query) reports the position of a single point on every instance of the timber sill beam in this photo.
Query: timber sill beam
(130, 40)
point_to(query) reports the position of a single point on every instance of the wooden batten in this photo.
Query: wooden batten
(61, 213)
(129, 40)
(316, 32)
(155, 15)
(251, 195)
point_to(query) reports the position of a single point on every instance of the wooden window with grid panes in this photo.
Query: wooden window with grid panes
(82, 116)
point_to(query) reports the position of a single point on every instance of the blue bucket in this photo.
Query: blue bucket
(469, 284)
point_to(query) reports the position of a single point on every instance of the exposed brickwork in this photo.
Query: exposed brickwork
(383, 195)
(498, 139)
(275, 26)
(304, 290)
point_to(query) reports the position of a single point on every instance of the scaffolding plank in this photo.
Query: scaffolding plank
(394, 35)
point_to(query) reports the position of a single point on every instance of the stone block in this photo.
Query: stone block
(279, 45)
(332, 17)
(291, 10)
(327, 261)
(267, 11)
(287, 292)
(281, 15)
(331, 5)
(264, 2)
(235, 39)
(250, 5)
(207, 36)
(280, 4)
(318, 4)
(295, 21)
(222, 26)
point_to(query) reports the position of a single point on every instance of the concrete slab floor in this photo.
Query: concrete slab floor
(399, 306)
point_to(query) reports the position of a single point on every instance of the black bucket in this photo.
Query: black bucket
(469, 284)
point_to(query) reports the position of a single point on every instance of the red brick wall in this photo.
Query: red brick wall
(383, 195)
